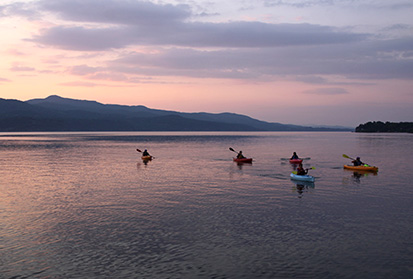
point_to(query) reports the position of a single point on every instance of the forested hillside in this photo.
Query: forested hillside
(385, 127)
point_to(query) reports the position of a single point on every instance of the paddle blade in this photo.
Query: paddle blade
(232, 149)
(345, 156)
(294, 172)
(138, 150)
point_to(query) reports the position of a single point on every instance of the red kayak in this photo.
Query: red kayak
(296, 161)
(243, 160)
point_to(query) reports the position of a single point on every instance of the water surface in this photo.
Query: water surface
(84, 205)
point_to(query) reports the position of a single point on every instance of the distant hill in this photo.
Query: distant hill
(55, 113)
(387, 127)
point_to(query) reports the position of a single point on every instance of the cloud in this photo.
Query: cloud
(258, 34)
(96, 25)
(233, 49)
(223, 35)
(331, 80)
(16, 9)
(365, 60)
(398, 27)
(312, 79)
(327, 91)
(82, 70)
(82, 39)
(380, 4)
(18, 68)
(15, 52)
(102, 74)
(117, 11)
(298, 3)
(4, 80)
(79, 83)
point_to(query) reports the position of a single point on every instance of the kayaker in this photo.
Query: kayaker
(294, 157)
(145, 153)
(357, 162)
(240, 155)
(301, 170)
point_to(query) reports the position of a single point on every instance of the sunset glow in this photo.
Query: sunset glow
(296, 62)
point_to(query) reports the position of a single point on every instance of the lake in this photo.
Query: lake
(84, 205)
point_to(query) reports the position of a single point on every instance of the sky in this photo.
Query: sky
(314, 62)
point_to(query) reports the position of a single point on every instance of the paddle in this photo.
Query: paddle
(138, 150)
(348, 157)
(232, 150)
(285, 159)
(312, 168)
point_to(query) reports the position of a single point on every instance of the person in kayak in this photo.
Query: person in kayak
(301, 170)
(357, 162)
(145, 153)
(294, 157)
(240, 155)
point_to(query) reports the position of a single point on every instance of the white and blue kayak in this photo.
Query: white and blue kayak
(302, 177)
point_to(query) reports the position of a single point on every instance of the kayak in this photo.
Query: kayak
(302, 177)
(147, 158)
(243, 160)
(296, 161)
(361, 168)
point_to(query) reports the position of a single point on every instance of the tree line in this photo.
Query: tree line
(385, 127)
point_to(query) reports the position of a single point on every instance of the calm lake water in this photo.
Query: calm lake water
(84, 205)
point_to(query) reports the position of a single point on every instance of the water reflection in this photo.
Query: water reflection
(242, 164)
(88, 207)
(357, 176)
(302, 187)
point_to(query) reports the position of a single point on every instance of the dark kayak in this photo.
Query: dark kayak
(243, 160)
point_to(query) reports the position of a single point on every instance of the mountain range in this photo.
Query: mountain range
(55, 113)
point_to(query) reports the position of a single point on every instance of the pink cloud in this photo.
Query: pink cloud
(15, 52)
(79, 83)
(18, 68)
(4, 80)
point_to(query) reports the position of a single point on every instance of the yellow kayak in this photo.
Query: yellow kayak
(361, 168)
(147, 158)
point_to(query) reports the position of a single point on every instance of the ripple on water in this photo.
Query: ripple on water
(91, 208)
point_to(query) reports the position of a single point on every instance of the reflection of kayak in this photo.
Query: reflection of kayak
(361, 168)
(296, 161)
(298, 183)
(243, 160)
(147, 158)
(302, 177)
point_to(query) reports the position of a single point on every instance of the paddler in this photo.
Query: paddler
(145, 153)
(301, 170)
(240, 155)
(294, 157)
(357, 162)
